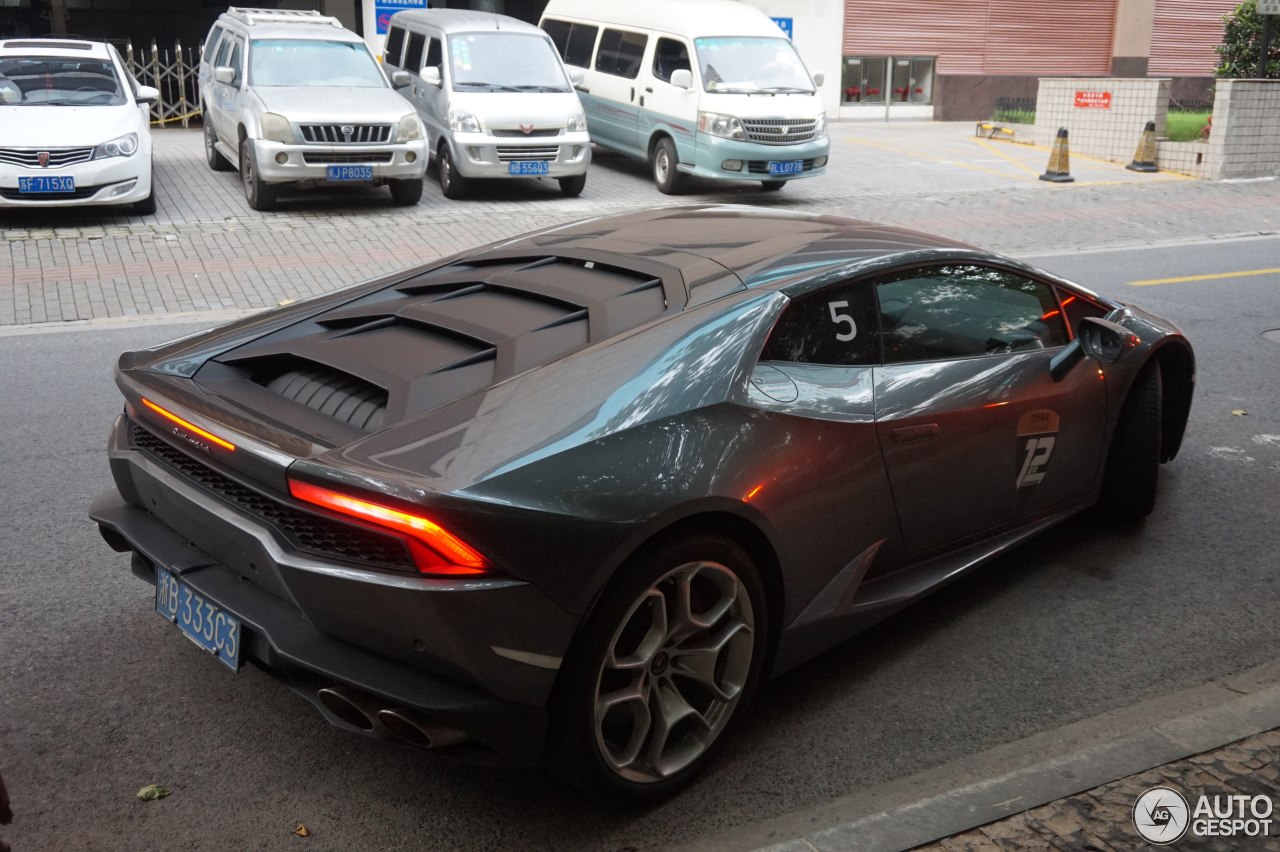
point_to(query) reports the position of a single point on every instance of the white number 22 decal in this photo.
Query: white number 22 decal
(1037, 458)
(837, 318)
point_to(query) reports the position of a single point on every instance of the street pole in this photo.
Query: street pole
(1266, 46)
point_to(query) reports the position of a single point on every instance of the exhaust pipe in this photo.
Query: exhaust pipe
(422, 732)
(358, 709)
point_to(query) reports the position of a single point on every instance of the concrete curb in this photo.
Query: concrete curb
(980, 789)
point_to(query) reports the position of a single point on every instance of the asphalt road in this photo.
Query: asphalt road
(99, 697)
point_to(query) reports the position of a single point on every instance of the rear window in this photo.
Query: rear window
(620, 53)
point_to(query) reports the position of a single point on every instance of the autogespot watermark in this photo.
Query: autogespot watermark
(1162, 816)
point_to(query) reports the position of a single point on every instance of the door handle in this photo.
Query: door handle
(905, 434)
(649, 89)
(642, 100)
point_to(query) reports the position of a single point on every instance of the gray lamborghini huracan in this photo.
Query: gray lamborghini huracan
(572, 496)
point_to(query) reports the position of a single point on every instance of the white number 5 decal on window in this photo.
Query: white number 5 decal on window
(1036, 460)
(837, 318)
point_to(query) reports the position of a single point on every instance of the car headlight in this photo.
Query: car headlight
(125, 146)
(410, 129)
(820, 124)
(577, 123)
(275, 128)
(721, 125)
(461, 121)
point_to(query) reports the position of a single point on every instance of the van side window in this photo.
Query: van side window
(435, 57)
(620, 53)
(559, 32)
(670, 55)
(413, 54)
(395, 47)
(574, 42)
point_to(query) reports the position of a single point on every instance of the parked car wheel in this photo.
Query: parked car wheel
(147, 206)
(659, 673)
(452, 184)
(772, 185)
(1133, 463)
(571, 187)
(665, 160)
(216, 161)
(261, 195)
(406, 191)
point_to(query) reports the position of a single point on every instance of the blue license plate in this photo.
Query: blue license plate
(786, 167)
(349, 173)
(201, 621)
(46, 183)
(529, 167)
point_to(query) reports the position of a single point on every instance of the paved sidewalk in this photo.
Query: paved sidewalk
(207, 251)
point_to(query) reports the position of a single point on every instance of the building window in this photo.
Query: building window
(898, 79)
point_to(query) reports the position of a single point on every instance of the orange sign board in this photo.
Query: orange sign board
(1093, 100)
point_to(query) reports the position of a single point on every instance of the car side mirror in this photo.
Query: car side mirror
(224, 75)
(431, 76)
(682, 78)
(575, 76)
(1103, 339)
(147, 95)
(400, 79)
(818, 79)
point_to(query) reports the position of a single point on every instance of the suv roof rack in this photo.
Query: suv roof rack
(281, 16)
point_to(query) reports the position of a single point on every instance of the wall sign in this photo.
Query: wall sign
(384, 9)
(1093, 100)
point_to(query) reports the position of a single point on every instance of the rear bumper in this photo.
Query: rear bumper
(425, 645)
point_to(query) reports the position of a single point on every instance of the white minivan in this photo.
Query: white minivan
(703, 87)
(495, 98)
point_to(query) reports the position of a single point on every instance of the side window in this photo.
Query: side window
(215, 41)
(395, 47)
(413, 54)
(837, 326)
(670, 55)
(962, 310)
(435, 56)
(236, 59)
(559, 32)
(224, 49)
(582, 41)
(620, 53)
(1076, 308)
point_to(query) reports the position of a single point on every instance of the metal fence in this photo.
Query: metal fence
(173, 74)
(1015, 110)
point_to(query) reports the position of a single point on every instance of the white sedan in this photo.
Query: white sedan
(74, 127)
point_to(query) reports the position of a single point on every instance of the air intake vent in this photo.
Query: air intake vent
(331, 392)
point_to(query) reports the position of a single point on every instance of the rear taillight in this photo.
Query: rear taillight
(435, 550)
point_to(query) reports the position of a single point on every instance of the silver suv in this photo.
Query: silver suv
(295, 98)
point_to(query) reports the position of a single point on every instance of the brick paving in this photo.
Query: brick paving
(1100, 820)
(206, 250)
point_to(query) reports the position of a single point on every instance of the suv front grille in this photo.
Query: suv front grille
(780, 131)
(508, 153)
(306, 531)
(376, 158)
(58, 157)
(346, 134)
(516, 133)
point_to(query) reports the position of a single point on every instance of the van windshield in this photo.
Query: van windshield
(308, 62)
(747, 64)
(505, 62)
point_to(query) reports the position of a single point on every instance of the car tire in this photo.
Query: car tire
(571, 187)
(701, 669)
(260, 194)
(452, 184)
(147, 206)
(772, 185)
(1133, 462)
(666, 175)
(216, 161)
(406, 192)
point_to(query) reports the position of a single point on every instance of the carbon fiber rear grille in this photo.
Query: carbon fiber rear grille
(58, 157)
(780, 131)
(346, 134)
(508, 153)
(306, 531)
